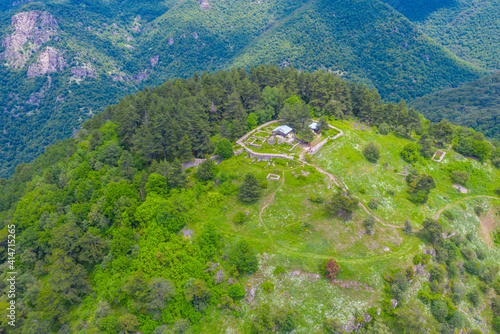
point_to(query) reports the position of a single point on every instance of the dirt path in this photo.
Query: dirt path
(405, 248)
(438, 214)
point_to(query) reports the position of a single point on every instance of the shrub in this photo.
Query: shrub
(316, 199)
(439, 310)
(478, 210)
(410, 153)
(369, 224)
(240, 217)
(244, 258)
(468, 254)
(343, 202)
(391, 192)
(279, 270)
(224, 148)
(449, 215)
(408, 228)
(331, 269)
(268, 286)
(459, 177)
(473, 297)
(236, 291)
(332, 326)
(373, 204)
(371, 152)
(438, 274)
(417, 259)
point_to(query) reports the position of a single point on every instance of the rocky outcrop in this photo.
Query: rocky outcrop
(31, 30)
(154, 60)
(204, 4)
(84, 71)
(50, 60)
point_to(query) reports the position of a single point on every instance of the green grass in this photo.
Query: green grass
(297, 233)
(343, 158)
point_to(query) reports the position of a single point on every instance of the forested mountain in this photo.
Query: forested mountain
(476, 105)
(65, 60)
(468, 28)
(112, 235)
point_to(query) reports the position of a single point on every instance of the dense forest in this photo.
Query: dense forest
(465, 27)
(100, 219)
(104, 50)
(475, 105)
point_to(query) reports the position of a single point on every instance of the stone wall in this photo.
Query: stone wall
(316, 148)
(262, 156)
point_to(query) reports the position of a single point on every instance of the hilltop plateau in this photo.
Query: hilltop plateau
(253, 202)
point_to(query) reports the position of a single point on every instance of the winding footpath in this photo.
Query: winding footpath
(406, 248)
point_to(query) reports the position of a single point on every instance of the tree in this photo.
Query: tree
(243, 258)
(236, 291)
(369, 224)
(439, 310)
(323, 124)
(408, 228)
(431, 230)
(205, 170)
(425, 144)
(252, 120)
(185, 150)
(197, 293)
(343, 202)
(419, 186)
(384, 129)
(128, 323)
(371, 152)
(161, 292)
(224, 148)
(410, 153)
(249, 190)
(157, 184)
(331, 269)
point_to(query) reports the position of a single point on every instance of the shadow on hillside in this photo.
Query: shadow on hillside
(418, 10)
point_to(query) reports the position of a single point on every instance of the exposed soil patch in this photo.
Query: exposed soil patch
(489, 222)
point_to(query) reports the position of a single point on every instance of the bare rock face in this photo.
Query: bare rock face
(31, 30)
(154, 60)
(50, 60)
(204, 4)
(84, 71)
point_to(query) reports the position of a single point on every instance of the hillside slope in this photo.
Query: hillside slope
(468, 28)
(476, 105)
(64, 61)
(113, 235)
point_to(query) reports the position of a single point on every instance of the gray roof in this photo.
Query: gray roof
(313, 126)
(284, 129)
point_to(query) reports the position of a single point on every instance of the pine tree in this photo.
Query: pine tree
(249, 190)
(185, 150)
(177, 177)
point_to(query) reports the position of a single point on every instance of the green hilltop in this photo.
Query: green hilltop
(65, 60)
(163, 216)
